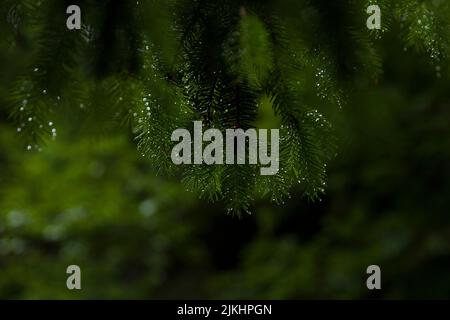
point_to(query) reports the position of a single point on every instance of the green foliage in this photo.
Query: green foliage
(89, 198)
(158, 65)
(254, 54)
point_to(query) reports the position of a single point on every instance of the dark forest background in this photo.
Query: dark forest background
(90, 199)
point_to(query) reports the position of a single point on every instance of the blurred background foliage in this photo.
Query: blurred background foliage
(92, 200)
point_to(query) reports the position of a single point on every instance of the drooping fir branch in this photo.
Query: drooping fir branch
(159, 65)
(38, 93)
